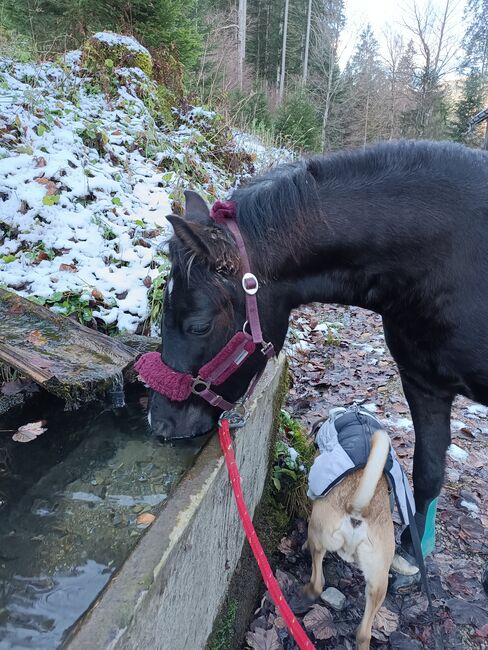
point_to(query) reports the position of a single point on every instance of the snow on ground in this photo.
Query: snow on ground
(86, 182)
(265, 157)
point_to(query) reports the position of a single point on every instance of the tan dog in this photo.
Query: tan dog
(354, 520)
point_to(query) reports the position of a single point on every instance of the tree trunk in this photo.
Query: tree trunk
(242, 40)
(283, 54)
(307, 43)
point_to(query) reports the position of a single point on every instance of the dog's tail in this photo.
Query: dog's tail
(380, 447)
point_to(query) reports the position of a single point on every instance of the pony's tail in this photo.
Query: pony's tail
(380, 447)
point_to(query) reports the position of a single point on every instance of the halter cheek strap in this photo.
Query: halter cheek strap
(224, 213)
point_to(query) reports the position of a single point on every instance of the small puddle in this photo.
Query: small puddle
(69, 503)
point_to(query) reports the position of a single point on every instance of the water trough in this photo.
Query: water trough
(169, 590)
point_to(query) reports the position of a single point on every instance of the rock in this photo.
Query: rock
(106, 50)
(457, 453)
(333, 597)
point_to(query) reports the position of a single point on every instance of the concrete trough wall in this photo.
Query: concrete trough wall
(169, 591)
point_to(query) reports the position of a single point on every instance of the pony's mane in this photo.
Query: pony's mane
(277, 208)
(283, 204)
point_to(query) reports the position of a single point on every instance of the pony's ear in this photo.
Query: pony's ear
(191, 234)
(195, 207)
(211, 243)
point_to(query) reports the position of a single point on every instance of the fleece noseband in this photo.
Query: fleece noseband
(178, 386)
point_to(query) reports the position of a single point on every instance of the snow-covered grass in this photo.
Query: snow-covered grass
(86, 180)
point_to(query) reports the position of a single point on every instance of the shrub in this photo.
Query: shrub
(297, 122)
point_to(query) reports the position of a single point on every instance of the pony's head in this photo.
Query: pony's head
(204, 307)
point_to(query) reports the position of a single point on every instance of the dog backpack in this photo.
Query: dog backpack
(344, 442)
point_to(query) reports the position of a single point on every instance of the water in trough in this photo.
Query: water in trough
(69, 507)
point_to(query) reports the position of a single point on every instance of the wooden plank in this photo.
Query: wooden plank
(63, 356)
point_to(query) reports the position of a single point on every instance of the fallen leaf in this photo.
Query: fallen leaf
(263, 639)
(320, 623)
(98, 295)
(40, 161)
(36, 338)
(30, 431)
(385, 623)
(286, 546)
(70, 268)
(15, 309)
(145, 519)
(42, 255)
(51, 188)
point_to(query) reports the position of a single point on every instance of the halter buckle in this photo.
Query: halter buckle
(250, 284)
(267, 349)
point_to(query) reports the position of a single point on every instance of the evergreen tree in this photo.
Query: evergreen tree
(296, 122)
(326, 80)
(56, 25)
(367, 90)
(475, 65)
(475, 40)
(468, 105)
(265, 38)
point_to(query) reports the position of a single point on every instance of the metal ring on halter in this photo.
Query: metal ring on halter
(246, 323)
(197, 382)
(253, 289)
(237, 417)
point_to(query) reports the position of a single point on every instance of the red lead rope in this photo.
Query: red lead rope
(293, 625)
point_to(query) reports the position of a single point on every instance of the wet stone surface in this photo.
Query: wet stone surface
(69, 503)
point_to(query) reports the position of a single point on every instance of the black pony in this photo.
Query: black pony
(400, 228)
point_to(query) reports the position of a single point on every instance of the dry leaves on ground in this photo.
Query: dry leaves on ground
(263, 639)
(319, 622)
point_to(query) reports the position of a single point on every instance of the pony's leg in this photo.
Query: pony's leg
(431, 412)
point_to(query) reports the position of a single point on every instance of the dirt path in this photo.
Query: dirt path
(338, 357)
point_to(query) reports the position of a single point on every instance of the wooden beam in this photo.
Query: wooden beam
(61, 355)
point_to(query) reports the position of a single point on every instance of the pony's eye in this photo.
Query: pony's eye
(200, 328)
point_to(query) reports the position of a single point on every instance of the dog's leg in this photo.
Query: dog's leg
(316, 585)
(376, 586)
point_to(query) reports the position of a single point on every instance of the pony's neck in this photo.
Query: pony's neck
(347, 260)
(351, 229)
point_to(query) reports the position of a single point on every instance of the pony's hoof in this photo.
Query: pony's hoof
(399, 583)
(484, 580)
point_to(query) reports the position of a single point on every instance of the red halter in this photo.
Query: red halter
(178, 386)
